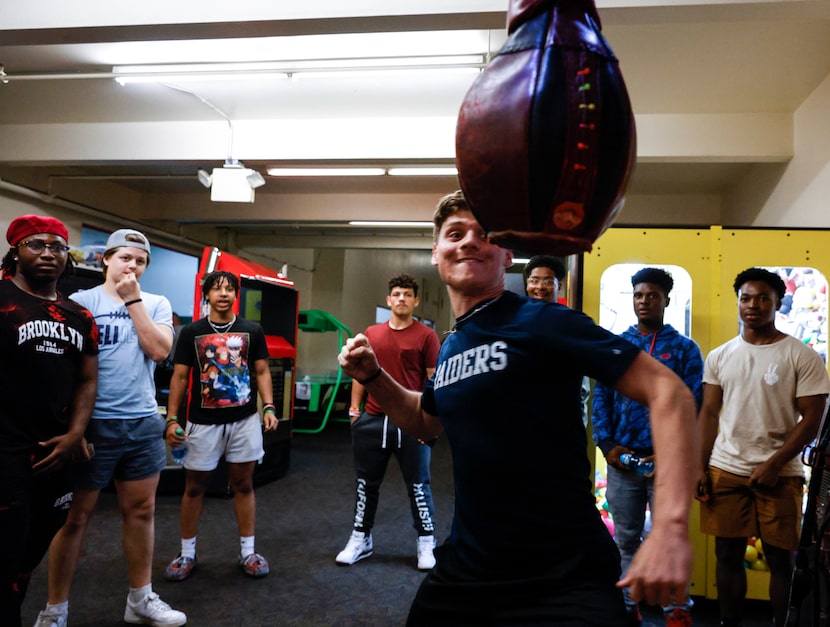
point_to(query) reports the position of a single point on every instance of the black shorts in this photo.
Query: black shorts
(587, 597)
(32, 509)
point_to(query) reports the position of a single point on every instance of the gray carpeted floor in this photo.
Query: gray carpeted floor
(303, 520)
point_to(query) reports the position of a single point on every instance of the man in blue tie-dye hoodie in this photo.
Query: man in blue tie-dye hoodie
(621, 425)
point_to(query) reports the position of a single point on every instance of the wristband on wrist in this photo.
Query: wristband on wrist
(132, 302)
(354, 413)
(372, 378)
(269, 410)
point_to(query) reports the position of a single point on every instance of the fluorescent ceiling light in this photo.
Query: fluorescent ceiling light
(288, 172)
(368, 171)
(424, 171)
(403, 223)
(317, 46)
(411, 72)
(173, 72)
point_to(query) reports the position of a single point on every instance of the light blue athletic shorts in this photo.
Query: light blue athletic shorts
(239, 442)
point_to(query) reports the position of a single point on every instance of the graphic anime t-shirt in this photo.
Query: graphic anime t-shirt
(223, 377)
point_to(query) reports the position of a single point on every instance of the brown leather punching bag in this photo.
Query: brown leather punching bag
(545, 142)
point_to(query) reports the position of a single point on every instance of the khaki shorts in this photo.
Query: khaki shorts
(737, 509)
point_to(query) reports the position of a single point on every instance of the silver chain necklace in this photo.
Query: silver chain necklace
(470, 314)
(221, 328)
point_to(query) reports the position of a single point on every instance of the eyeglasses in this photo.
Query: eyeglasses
(37, 246)
(534, 281)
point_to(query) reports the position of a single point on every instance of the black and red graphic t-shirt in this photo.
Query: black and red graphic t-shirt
(42, 344)
(223, 375)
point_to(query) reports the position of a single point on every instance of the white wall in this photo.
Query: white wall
(798, 193)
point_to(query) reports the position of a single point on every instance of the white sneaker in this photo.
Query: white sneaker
(426, 560)
(50, 617)
(357, 548)
(153, 611)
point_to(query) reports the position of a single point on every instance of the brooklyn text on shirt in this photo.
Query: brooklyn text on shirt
(49, 329)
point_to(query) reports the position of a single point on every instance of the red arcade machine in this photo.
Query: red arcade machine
(266, 297)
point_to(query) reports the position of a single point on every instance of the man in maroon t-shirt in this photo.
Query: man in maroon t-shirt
(408, 351)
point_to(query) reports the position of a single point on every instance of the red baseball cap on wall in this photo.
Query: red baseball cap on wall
(27, 225)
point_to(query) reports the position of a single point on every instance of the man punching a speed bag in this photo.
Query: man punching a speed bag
(527, 544)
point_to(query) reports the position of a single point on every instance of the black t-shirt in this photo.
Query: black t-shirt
(507, 391)
(223, 385)
(42, 343)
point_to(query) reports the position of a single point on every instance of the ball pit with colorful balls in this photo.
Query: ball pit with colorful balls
(754, 555)
(602, 503)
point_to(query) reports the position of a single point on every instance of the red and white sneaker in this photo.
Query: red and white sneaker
(678, 618)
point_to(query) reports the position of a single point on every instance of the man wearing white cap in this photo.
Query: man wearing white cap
(136, 331)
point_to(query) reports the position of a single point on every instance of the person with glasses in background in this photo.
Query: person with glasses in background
(126, 430)
(48, 378)
(544, 275)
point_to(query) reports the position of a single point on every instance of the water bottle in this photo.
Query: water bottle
(180, 452)
(637, 464)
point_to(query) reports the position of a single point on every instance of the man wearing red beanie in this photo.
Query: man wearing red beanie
(48, 379)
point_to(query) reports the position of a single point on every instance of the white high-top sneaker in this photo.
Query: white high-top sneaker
(357, 548)
(426, 560)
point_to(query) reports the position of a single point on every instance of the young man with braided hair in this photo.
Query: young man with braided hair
(48, 380)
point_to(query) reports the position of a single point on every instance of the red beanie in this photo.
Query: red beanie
(30, 224)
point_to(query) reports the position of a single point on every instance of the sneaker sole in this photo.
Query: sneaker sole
(139, 621)
(256, 575)
(362, 556)
(177, 576)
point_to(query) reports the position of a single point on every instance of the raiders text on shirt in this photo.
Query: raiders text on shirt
(473, 361)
